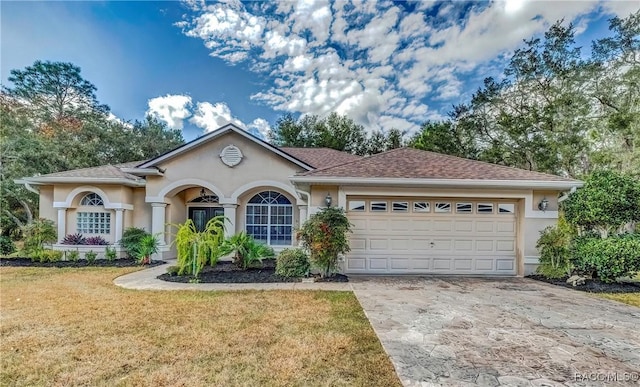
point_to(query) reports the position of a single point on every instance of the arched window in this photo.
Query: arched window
(93, 222)
(205, 199)
(270, 218)
(91, 199)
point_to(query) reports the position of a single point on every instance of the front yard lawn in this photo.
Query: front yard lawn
(627, 298)
(74, 327)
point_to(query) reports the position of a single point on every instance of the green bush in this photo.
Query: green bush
(173, 270)
(146, 247)
(72, 255)
(608, 203)
(197, 248)
(90, 256)
(6, 245)
(325, 236)
(292, 263)
(38, 233)
(246, 250)
(110, 253)
(555, 254)
(131, 240)
(607, 258)
(46, 255)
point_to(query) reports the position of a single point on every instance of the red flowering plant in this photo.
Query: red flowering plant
(325, 236)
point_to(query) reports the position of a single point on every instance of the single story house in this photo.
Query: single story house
(413, 212)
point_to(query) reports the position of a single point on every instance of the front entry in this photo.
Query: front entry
(201, 215)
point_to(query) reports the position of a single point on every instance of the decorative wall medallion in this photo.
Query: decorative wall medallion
(231, 155)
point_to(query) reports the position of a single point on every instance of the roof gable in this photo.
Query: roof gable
(215, 134)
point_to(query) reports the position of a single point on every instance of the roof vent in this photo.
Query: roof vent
(231, 155)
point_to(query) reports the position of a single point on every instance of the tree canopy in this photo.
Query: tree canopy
(50, 121)
(555, 109)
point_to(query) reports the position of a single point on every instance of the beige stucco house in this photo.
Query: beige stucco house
(413, 212)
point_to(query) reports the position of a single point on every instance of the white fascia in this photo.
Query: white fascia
(464, 183)
(142, 171)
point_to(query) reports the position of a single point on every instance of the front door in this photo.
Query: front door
(201, 215)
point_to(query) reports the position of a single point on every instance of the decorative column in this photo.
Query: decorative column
(158, 221)
(119, 225)
(62, 223)
(230, 223)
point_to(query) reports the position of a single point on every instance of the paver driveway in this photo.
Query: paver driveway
(514, 332)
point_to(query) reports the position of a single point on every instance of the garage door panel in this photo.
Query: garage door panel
(378, 244)
(378, 263)
(484, 264)
(428, 242)
(464, 225)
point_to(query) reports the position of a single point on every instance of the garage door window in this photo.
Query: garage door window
(378, 206)
(464, 208)
(485, 208)
(356, 205)
(506, 208)
(400, 207)
(442, 207)
(421, 207)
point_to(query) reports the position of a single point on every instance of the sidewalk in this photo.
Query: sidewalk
(146, 280)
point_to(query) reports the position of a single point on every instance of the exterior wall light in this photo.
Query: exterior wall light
(327, 200)
(203, 193)
(544, 203)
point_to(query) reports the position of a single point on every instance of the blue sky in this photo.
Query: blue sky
(198, 66)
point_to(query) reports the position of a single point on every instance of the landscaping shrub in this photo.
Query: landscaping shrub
(110, 253)
(96, 240)
(74, 239)
(147, 246)
(173, 270)
(195, 249)
(325, 236)
(555, 254)
(608, 203)
(6, 245)
(607, 258)
(90, 256)
(47, 255)
(73, 255)
(292, 263)
(131, 238)
(246, 250)
(38, 233)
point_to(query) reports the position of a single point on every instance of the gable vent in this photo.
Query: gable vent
(231, 155)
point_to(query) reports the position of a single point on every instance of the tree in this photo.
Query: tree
(448, 137)
(335, 131)
(608, 203)
(55, 90)
(381, 141)
(324, 234)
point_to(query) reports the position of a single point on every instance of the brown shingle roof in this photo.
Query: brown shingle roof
(103, 171)
(321, 157)
(412, 163)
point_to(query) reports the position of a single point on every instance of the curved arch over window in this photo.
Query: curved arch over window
(205, 199)
(92, 199)
(269, 218)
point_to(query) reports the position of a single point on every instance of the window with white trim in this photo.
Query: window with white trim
(92, 199)
(464, 208)
(269, 218)
(484, 208)
(421, 207)
(400, 206)
(356, 205)
(506, 208)
(378, 206)
(442, 207)
(93, 223)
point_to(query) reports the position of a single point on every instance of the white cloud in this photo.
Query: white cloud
(175, 109)
(172, 109)
(376, 62)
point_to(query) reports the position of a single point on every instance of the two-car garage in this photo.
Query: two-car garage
(432, 236)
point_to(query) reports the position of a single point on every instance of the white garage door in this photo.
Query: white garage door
(432, 236)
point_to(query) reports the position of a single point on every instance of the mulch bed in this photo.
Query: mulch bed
(122, 262)
(227, 272)
(592, 285)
